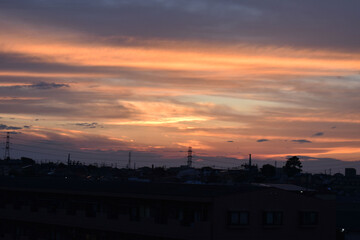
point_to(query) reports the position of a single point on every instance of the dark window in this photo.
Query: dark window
(34, 206)
(145, 211)
(238, 218)
(90, 210)
(123, 209)
(2, 201)
(71, 208)
(17, 204)
(307, 218)
(52, 206)
(272, 218)
(112, 212)
(134, 214)
(186, 217)
(201, 214)
(160, 215)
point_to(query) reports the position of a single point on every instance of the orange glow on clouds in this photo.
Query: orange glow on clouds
(239, 61)
(158, 95)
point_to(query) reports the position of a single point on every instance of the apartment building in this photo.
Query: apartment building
(64, 209)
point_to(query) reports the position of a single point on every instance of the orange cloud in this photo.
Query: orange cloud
(165, 56)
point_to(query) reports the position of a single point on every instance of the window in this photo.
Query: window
(145, 211)
(161, 216)
(238, 218)
(90, 210)
(134, 214)
(186, 216)
(51, 206)
(308, 218)
(2, 200)
(34, 206)
(71, 208)
(17, 204)
(201, 214)
(112, 211)
(272, 218)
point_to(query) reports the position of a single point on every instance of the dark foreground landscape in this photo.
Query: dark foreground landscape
(74, 201)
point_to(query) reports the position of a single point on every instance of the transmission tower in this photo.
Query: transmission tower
(189, 157)
(7, 147)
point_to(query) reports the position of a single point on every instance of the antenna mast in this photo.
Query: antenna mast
(189, 161)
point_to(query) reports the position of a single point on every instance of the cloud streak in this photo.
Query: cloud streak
(318, 134)
(301, 141)
(46, 86)
(5, 127)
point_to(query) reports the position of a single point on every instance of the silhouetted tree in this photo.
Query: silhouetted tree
(293, 166)
(268, 170)
(27, 161)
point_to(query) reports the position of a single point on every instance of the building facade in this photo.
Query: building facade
(56, 210)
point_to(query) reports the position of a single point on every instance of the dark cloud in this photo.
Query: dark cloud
(39, 85)
(14, 132)
(262, 140)
(27, 127)
(6, 127)
(45, 85)
(290, 23)
(318, 134)
(230, 141)
(83, 109)
(301, 141)
(23, 62)
(89, 125)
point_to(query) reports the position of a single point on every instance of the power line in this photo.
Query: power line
(61, 156)
(92, 155)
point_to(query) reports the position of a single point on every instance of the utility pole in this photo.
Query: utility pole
(69, 160)
(7, 147)
(189, 157)
(129, 162)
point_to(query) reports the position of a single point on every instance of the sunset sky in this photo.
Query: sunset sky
(100, 78)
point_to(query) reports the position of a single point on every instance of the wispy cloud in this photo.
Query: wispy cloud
(301, 141)
(318, 134)
(89, 125)
(45, 85)
(5, 127)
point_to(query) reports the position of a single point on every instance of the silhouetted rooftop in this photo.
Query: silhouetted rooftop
(52, 184)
